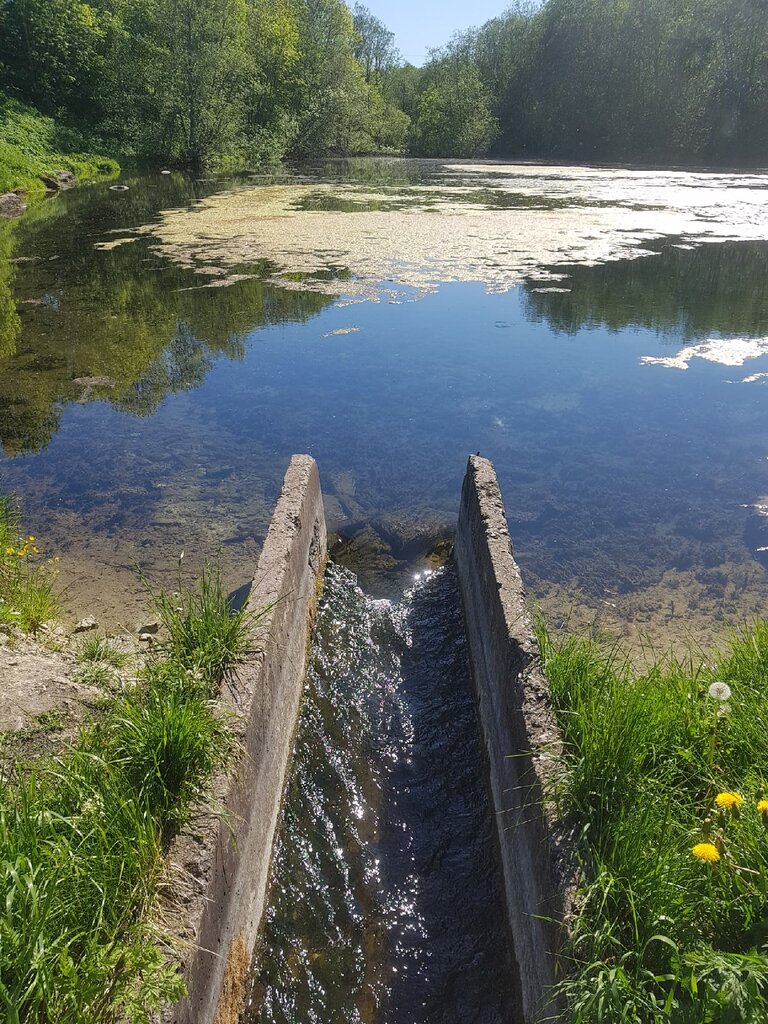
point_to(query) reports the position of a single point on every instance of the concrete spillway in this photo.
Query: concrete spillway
(515, 759)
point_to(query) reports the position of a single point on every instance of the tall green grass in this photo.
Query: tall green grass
(83, 835)
(205, 633)
(660, 934)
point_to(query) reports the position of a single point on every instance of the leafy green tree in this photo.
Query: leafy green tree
(201, 79)
(333, 116)
(453, 116)
(375, 45)
(51, 54)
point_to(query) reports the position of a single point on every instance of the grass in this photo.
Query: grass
(99, 649)
(83, 835)
(662, 935)
(27, 581)
(205, 633)
(31, 145)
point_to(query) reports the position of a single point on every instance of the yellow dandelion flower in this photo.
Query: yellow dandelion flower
(762, 806)
(10, 551)
(729, 801)
(706, 851)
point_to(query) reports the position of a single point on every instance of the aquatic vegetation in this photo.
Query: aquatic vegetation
(669, 803)
(434, 233)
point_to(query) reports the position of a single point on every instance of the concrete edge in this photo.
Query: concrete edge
(521, 738)
(219, 866)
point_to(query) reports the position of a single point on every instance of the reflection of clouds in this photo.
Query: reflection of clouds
(727, 351)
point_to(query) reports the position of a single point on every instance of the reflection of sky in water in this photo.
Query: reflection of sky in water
(625, 484)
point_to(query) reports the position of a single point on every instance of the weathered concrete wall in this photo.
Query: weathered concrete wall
(220, 867)
(520, 733)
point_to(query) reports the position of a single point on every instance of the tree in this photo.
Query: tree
(453, 116)
(201, 82)
(375, 45)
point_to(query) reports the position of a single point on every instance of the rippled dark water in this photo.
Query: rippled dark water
(386, 898)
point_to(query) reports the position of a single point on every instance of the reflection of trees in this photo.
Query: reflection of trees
(121, 327)
(183, 364)
(10, 324)
(715, 288)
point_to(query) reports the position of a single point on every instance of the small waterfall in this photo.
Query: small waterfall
(385, 904)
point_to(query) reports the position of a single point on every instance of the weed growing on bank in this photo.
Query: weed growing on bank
(27, 580)
(667, 780)
(83, 835)
(205, 633)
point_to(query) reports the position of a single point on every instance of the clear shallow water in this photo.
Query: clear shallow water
(142, 414)
(386, 903)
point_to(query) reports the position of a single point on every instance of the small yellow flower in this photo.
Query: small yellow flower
(731, 801)
(762, 806)
(706, 851)
(10, 551)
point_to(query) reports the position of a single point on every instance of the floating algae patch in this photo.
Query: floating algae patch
(503, 224)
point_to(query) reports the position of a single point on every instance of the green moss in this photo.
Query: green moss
(31, 145)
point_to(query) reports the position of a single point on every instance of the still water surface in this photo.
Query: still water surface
(601, 335)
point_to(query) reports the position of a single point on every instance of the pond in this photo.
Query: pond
(600, 334)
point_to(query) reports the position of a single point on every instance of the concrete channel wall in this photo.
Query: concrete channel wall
(520, 733)
(220, 866)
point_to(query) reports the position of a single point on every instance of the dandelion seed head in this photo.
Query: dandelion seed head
(719, 691)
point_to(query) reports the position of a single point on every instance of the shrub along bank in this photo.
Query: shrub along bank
(83, 835)
(667, 780)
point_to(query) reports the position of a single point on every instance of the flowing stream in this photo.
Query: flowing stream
(386, 901)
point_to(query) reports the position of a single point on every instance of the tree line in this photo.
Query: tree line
(201, 81)
(634, 80)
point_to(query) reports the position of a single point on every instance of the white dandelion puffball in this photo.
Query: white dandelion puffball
(719, 691)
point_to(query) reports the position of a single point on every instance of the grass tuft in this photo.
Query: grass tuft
(206, 634)
(98, 649)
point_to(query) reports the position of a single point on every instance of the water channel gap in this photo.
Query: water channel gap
(386, 901)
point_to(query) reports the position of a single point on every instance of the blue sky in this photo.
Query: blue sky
(419, 24)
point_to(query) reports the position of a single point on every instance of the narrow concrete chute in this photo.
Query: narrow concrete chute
(223, 868)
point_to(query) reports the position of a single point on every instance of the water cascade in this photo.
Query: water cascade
(386, 902)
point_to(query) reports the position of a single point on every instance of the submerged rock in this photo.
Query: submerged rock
(756, 531)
